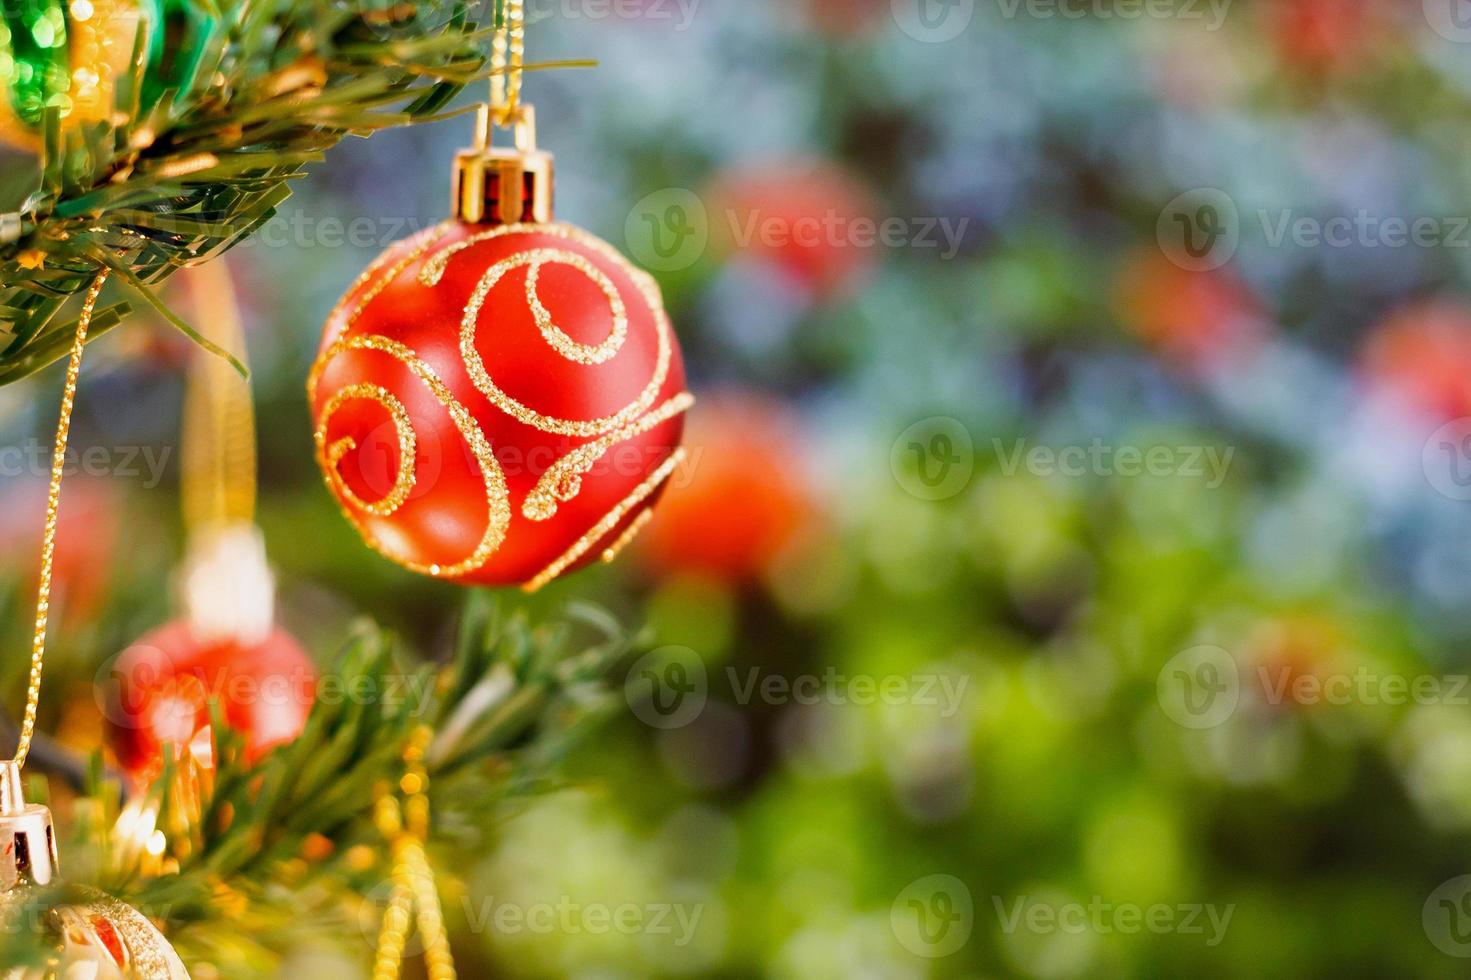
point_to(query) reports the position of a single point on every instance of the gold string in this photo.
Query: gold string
(406, 826)
(508, 54)
(53, 506)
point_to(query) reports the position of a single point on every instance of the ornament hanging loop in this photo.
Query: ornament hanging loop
(504, 185)
(511, 185)
(521, 123)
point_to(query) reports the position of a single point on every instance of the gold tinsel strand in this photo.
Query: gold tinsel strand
(405, 824)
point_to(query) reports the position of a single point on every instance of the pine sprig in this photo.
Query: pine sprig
(299, 812)
(286, 848)
(152, 190)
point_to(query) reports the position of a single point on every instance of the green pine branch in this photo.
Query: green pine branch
(179, 176)
(278, 852)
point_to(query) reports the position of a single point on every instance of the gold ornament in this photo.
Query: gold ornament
(93, 935)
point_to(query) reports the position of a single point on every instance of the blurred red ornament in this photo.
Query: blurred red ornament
(86, 538)
(1421, 357)
(1199, 320)
(814, 222)
(744, 500)
(499, 405)
(161, 688)
(846, 18)
(1323, 36)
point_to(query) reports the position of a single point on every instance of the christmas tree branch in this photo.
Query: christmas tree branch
(205, 847)
(511, 702)
(163, 185)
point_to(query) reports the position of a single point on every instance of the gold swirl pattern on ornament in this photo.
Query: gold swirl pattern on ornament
(497, 495)
(145, 948)
(610, 520)
(562, 481)
(555, 335)
(428, 237)
(403, 427)
(611, 553)
(433, 271)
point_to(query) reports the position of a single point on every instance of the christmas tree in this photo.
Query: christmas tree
(164, 136)
(1064, 577)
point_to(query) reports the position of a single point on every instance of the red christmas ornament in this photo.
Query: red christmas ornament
(1420, 356)
(815, 222)
(845, 19)
(499, 403)
(1199, 319)
(1325, 36)
(161, 688)
(86, 542)
(743, 504)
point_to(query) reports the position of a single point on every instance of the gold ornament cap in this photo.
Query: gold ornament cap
(504, 185)
(27, 838)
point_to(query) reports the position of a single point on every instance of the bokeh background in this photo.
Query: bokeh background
(1073, 575)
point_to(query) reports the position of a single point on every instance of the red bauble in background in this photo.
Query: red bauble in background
(846, 18)
(1201, 320)
(815, 222)
(1329, 36)
(499, 405)
(1293, 656)
(87, 534)
(161, 687)
(745, 500)
(1420, 357)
